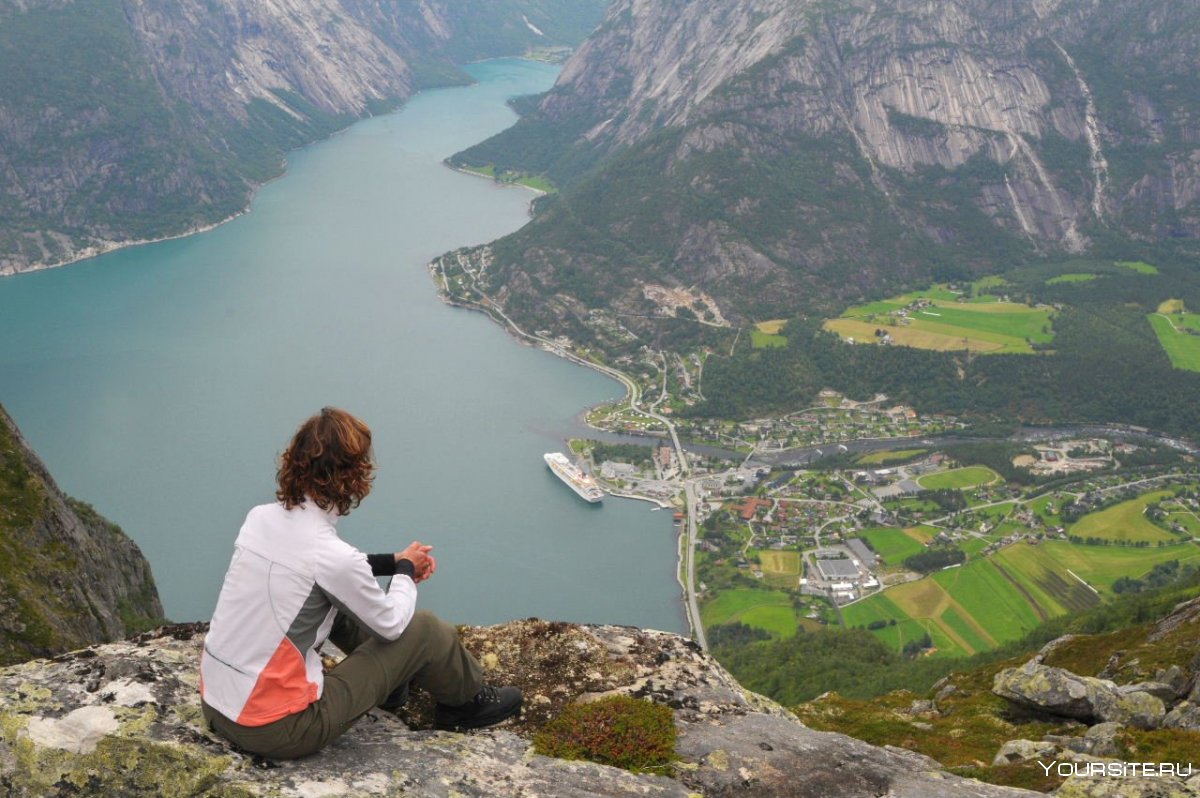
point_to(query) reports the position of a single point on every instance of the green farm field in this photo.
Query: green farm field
(892, 544)
(1141, 267)
(781, 569)
(762, 340)
(1125, 522)
(1181, 346)
(981, 326)
(1099, 566)
(770, 610)
(890, 456)
(987, 602)
(880, 608)
(960, 478)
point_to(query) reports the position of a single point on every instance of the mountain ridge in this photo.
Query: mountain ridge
(836, 151)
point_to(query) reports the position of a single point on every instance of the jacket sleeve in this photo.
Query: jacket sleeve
(345, 577)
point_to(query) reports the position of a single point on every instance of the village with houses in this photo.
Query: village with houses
(788, 539)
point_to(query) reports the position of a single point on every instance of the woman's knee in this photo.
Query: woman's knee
(425, 624)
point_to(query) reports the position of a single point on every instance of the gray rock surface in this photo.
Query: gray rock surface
(1015, 751)
(1101, 787)
(1059, 692)
(1183, 716)
(124, 718)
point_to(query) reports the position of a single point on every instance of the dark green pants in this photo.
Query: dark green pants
(428, 654)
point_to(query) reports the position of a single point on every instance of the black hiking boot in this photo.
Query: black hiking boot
(489, 706)
(396, 699)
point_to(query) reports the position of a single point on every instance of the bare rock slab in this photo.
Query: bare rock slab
(124, 719)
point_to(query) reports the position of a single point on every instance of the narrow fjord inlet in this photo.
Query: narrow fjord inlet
(161, 382)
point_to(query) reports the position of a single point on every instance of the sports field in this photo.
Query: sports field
(987, 602)
(947, 324)
(959, 478)
(770, 610)
(1181, 346)
(1125, 522)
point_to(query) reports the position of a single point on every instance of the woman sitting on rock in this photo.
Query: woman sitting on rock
(293, 583)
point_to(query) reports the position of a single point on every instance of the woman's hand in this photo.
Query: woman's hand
(424, 564)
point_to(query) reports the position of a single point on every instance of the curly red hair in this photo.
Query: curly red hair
(328, 461)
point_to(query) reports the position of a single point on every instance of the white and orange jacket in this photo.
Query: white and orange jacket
(290, 576)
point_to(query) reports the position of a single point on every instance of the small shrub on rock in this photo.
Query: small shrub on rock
(618, 730)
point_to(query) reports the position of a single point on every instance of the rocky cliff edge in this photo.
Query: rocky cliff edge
(124, 719)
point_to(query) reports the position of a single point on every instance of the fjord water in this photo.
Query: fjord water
(160, 383)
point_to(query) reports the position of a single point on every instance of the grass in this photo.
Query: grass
(988, 602)
(1187, 519)
(1171, 306)
(922, 533)
(972, 608)
(762, 340)
(892, 544)
(959, 478)
(536, 182)
(984, 285)
(1182, 347)
(973, 546)
(1124, 522)
(771, 327)
(1141, 267)
(769, 610)
(780, 562)
(890, 456)
(1076, 277)
(781, 569)
(1041, 507)
(982, 325)
(1100, 566)
(915, 336)
(996, 512)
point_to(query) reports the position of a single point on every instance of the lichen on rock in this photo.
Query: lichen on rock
(123, 719)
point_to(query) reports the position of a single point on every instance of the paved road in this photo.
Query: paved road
(693, 607)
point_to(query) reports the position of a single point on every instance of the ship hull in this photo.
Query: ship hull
(581, 485)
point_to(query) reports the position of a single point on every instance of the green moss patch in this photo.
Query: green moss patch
(620, 731)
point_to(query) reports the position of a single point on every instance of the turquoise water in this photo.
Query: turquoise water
(160, 383)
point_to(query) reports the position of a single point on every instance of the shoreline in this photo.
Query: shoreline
(105, 247)
(464, 171)
(683, 545)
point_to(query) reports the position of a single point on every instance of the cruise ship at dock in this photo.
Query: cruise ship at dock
(583, 484)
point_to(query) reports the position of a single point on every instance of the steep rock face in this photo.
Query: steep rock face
(831, 150)
(67, 576)
(123, 120)
(127, 715)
